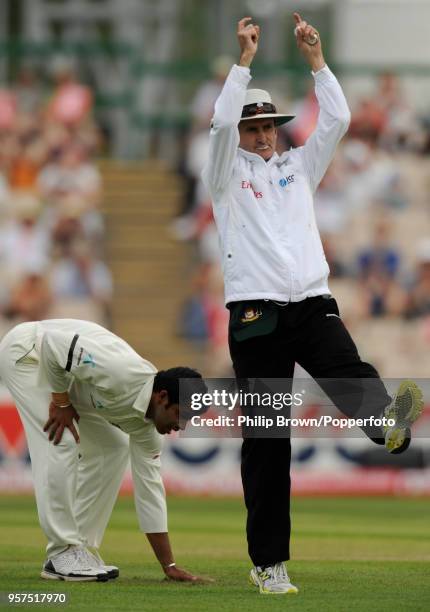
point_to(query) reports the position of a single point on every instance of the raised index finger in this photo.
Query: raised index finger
(297, 18)
(242, 23)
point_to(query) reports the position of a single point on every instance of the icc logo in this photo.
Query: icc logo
(286, 181)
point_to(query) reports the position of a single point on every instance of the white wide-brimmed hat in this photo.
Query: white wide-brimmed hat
(258, 105)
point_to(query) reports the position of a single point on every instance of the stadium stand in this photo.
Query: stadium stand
(149, 268)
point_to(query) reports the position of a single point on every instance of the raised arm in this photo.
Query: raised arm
(248, 35)
(224, 135)
(334, 115)
(309, 43)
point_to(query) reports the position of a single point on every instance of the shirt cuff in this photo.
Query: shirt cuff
(324, 74)
(241, 74)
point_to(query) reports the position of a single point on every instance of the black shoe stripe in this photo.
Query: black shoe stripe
(49, 567)
(114, 573)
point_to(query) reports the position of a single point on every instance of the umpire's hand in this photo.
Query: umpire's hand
(309, 43)
(59, 419)
(247, 36)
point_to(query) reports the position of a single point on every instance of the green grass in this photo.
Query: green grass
(350, 554)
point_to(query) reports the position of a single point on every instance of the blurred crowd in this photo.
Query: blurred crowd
(373, 213)
(51, 227)
(372, 209)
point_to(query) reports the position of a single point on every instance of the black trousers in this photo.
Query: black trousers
(312, 334)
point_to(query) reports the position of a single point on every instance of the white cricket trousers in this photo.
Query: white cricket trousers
(76, 485)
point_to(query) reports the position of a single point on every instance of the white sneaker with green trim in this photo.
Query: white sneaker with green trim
(272, 580)
(406, 407)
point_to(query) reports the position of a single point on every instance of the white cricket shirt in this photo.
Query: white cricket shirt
(103, 374)
(270, 243)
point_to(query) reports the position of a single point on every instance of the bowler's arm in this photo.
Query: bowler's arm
(65, 356)
(150, 500)
(160, 544)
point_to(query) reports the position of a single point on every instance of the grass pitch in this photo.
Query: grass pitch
(348, 554)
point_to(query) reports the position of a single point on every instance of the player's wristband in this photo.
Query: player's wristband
(170, 565)
(63, 405)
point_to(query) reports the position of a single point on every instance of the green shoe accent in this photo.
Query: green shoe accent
(405, 409)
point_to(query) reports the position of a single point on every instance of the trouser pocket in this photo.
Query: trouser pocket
(250, 319)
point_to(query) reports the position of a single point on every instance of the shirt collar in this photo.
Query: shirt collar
(255, 157)
(282, 159)
(142, 400)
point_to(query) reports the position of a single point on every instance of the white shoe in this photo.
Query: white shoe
(73, 565)
(111, 570)
(272, 580)
(406, 407)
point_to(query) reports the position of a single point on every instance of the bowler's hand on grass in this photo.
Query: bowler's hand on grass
(180, 575)
(59, 419)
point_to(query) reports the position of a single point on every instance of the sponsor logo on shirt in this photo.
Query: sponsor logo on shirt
(248, 185)
(88, 360)
(287, 180)
(96, 404)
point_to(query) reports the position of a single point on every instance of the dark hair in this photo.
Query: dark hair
(180, 381)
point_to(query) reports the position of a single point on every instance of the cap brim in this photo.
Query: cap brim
(279, 118)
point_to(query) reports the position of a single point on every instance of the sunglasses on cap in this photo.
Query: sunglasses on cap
(259, 108)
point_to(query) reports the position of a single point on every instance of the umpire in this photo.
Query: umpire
(275, 276)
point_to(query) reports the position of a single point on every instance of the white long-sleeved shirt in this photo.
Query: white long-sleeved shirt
(103, 374)
(271, 248)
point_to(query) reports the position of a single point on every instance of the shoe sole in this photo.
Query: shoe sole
(406, 410)
(255, 582)
(50, 576)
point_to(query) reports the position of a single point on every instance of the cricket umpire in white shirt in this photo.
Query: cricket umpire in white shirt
(88, 403)
(275, 277)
